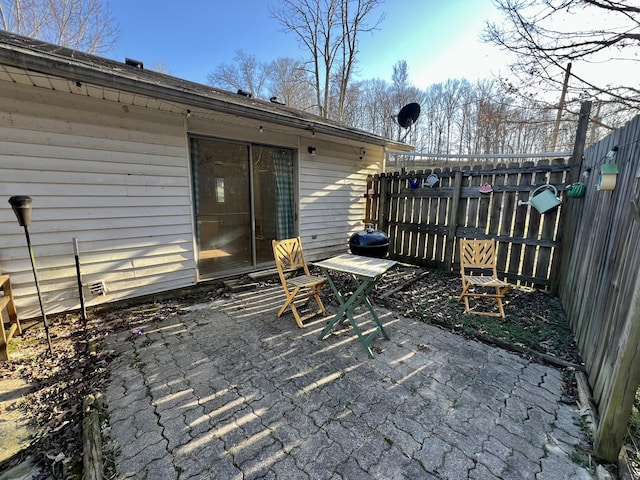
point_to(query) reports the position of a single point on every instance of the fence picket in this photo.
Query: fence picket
(496, 201)
(521, 218)
(548, 258)
(532, 229)
(484, 201)
(442, 207)
(432, 243)
(410, 236)
(394, 208)
(424, 238)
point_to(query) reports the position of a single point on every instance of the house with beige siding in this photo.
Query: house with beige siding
(163, 182)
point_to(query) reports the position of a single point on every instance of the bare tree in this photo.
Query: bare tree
(352, 114)
(464, 118)
(353, 20)
(85, 25)
(247, 74)
(377, 108)
(547, 34)
(402, 92)
(288, 80)
(160, 67)
(400, 81)
(329, 31)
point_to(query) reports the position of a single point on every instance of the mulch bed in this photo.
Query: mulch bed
(535, 322)
(535, 327)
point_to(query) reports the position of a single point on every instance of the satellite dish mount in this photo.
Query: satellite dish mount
(407, 117)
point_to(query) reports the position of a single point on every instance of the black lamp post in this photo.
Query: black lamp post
(21, 205)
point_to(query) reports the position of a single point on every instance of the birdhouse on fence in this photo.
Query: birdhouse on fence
(608, 175)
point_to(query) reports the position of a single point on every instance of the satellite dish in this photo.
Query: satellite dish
(408, 115)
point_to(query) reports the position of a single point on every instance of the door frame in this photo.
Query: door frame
(252, 212)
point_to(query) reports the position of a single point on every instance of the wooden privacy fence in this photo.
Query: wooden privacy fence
(600, 282)
(588, 247)
(423, 223)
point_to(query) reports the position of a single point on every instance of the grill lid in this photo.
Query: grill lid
(369, 237)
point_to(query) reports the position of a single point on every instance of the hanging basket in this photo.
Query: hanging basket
(575, 190)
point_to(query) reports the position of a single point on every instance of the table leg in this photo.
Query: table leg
(347, 308)
(344, 305)
(375, 316)
(364, 299)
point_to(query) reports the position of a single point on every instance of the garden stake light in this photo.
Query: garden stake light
(76, 252)
(21, 205)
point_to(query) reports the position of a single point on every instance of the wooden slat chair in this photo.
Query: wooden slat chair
(296, 280)
(478, 271)
(6, 303)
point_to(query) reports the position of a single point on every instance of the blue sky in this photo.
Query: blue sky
(439, 39)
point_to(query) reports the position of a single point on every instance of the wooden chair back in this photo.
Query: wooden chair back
(478, 272)
(297, 282)
(289, 256)
(478, 255)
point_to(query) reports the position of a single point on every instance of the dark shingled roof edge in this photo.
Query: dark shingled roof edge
(35, 55)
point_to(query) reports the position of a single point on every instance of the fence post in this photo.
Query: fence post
(453, 221)
(383, 202)
(567, 222)
(368, 203)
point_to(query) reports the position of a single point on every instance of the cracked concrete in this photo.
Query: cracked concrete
(230, 391)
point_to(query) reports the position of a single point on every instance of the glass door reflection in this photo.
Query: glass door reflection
(222, 205)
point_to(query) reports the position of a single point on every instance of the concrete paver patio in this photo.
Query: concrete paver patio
(227, 390)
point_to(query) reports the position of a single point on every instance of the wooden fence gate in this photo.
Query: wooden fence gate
(424, 222)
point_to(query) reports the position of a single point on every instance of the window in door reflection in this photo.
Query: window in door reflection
(222, 206)
(220, 190)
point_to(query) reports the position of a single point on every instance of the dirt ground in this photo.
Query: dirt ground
(80, 365)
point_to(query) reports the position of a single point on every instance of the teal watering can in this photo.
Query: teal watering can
(543, 198)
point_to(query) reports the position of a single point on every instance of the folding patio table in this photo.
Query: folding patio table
(365, 272)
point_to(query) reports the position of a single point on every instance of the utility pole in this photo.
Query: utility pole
(556, 127)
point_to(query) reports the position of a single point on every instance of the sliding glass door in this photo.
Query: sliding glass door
(243, 199)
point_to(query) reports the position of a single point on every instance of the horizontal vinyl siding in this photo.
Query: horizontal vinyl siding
(332, 205)
(232, 128)
(330, 185)
(116, 178)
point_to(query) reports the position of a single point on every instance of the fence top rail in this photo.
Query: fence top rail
(466, 172)
(480, 155)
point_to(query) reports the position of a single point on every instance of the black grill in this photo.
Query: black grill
(369, 243)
